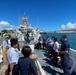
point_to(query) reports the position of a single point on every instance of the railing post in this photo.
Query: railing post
(4, 51)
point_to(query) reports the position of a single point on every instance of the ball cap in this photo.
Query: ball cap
(6, 37)
(64, 36)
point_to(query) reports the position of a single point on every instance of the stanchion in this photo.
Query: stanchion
(4, 51)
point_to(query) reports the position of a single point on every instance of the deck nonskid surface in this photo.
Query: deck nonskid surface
(45, 61)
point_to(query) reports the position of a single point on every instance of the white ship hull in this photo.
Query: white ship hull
(72, 60)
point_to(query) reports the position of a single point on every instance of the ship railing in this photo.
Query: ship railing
(41, 71)
(72, 60)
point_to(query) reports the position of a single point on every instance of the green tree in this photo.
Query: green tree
(5, 31)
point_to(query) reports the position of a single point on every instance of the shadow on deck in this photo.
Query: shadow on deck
(47, 64)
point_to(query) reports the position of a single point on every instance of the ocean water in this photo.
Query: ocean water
(71, 38)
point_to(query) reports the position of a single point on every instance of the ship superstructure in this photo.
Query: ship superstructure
(21, 32)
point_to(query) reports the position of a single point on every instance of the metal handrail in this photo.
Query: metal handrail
(41, 71)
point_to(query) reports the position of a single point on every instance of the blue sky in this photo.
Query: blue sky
(48, 15)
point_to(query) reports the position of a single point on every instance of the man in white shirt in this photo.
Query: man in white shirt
(55, 48)
(13, 57)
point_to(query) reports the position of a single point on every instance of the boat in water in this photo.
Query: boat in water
(28, 35)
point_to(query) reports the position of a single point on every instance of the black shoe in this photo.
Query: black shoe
(55, 63)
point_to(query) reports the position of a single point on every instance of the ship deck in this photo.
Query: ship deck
(45, 60)
(46, 63)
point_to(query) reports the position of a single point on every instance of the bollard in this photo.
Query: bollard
(4, 51)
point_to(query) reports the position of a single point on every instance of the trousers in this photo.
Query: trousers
(15, 70)
(65, 64)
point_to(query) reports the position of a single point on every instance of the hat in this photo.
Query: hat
(6, 37)
(64, 36)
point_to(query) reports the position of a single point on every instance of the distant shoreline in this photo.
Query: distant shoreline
(57, 33)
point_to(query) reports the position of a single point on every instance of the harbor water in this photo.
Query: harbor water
(71, 38)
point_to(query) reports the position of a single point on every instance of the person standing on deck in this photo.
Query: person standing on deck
(26, 65)
(55, 47)
(5, 42)
(44, 43)
(39, 42)
(13, 57)
(64, 53)
(49, 44)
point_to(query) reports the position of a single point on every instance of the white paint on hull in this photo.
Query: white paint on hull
(72, 60)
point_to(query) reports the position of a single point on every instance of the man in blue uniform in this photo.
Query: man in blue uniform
(27, 65)
(64, 53)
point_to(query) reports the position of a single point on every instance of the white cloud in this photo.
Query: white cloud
(63, 27)
(6, 25)
(69, 25)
